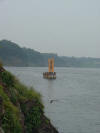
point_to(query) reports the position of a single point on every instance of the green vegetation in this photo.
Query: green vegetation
(25, 92)
(10, 117)
(10, 121)
(17, 94)
(33, 118)
(7, 78)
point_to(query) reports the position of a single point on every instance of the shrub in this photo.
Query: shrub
(7, 78)
(33, 119)
(13, 95)
(3, 95)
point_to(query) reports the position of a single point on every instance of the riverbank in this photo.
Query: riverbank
(21, 108)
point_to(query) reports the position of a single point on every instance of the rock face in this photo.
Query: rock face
(21, 109)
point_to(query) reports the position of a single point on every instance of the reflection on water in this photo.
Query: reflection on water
(76, 95)
(50, 89)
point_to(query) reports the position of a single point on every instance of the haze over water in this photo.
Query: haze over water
(76, 95)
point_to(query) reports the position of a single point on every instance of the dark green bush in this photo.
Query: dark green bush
(33, 119)
(7, 78)
(13, 96)
(3, 95)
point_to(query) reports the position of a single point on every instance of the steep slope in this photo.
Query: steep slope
(21, 109)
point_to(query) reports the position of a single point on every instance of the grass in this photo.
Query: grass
(24, 91)
(10, 118)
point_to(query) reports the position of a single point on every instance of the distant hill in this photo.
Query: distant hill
(11, 54)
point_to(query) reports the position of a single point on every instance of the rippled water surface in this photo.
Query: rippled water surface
(76, 95)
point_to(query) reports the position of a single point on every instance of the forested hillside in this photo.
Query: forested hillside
(11, 54)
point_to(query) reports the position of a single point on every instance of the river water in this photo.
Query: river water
(76, 95)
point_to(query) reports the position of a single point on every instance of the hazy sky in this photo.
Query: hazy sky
(66, 27)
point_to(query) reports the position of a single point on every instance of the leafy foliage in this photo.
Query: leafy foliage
(33, 119)
(13, 96)
(7, 78)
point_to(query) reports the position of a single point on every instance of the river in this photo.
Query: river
(75, 94)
